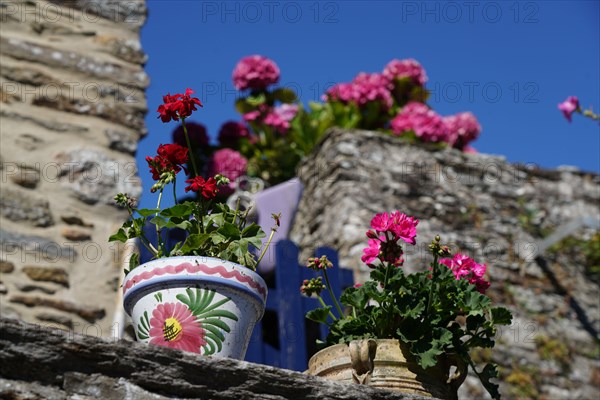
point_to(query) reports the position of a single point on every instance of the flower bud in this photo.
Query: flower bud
(312, 286)
(372, 234)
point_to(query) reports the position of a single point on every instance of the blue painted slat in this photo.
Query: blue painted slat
(289, 306)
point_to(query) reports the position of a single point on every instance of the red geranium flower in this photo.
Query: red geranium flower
(208, 188)
(174, 153)
(178, 106)
(171, 157)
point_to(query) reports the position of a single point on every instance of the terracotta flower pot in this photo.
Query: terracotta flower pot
(387, 364)
(198, 304)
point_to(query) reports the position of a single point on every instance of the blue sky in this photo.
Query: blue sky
(508, 62)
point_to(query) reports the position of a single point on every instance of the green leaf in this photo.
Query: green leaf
(255, 241)
(355, 297)
(134, 261)
(120, 236)
(476, 302)
(243, 107)
(490, 371)
(194, 242)
(475, 321)
(256, 100)
(284, 95)
(501, 316)
(178, 210)
(319, 314)
(229, 230)
(146, 212)
(252, 230)
(427, 349)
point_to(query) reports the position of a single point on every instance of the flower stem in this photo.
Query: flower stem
(590, 114)
(333, 299)
(148, 246)
(325, 305)
(189, 144)
(161, 248)
(175, 190)
(435, 268)
(266, 246)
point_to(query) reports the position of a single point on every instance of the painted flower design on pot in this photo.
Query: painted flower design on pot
(194, 323)
(173, 325)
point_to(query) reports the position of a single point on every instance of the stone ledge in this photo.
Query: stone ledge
(38, 361)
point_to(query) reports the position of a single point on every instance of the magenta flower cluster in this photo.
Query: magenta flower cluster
(423, 121)
(399, 69)
(462, 129)
(456, 130)
(386, 230)
(363, 89)
(255, 72)
(229, 163)
(463, 267)
(280, 117)
(393, 95)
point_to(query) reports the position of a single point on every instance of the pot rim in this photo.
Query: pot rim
(180, 271)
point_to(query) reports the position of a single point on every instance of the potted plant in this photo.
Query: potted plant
(406, 332)
(202, 295)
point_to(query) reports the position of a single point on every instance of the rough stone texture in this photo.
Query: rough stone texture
(18, 205)
(88, 313)
(42, 362)
(94, 177)
(487, 208)
(47, 274)
(72, 106)
(75, 234)
(6, 267)
(26, 176)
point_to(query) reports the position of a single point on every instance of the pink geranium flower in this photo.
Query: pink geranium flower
(464, 267)
(363, 89)
(255, 72)
(463, 128)
(398, 69)
(569, 106)
(381, 222)
(423, 121)
(371, 253)
(373, 87)
(404, 227)
(173, 325)
(229, 163)
(281, 116)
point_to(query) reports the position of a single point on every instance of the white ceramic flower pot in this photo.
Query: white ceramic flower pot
(199, 304)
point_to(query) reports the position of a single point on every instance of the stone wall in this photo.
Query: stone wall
(72, 107)
(43, 364)
(494, 211)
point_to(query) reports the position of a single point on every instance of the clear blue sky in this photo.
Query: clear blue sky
(508, 62)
